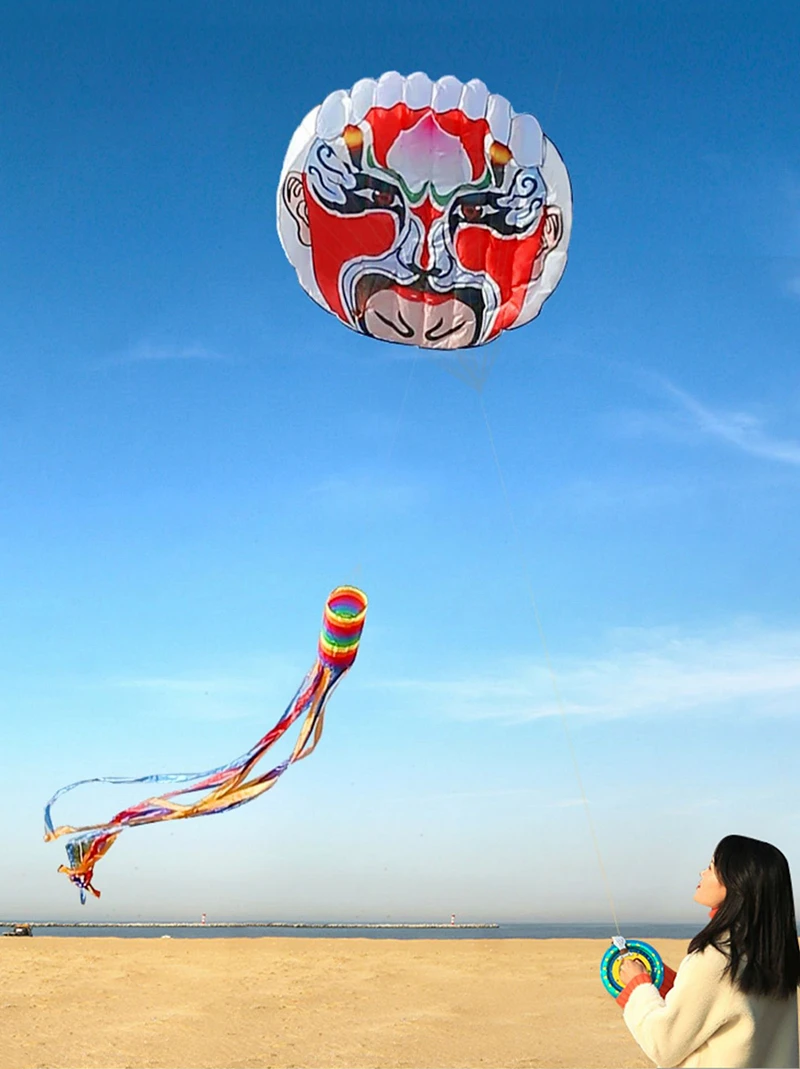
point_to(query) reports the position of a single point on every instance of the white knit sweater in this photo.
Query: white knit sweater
(706, 1021)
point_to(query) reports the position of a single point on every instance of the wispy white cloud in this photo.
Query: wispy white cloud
(642, 674)
(483, 793)
(192, 687)
(366, 493)
(690, 419)
(265, 692)
(148, 352)
(524, 795)
(626, 493)
(697, 805)
(742, 430)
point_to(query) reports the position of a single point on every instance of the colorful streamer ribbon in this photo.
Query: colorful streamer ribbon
(226, 787)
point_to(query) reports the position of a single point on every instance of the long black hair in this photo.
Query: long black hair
(755, 926)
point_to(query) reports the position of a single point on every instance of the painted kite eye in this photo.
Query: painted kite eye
(472, 213)
(382, 198)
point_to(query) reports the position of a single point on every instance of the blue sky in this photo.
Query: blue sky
(194, 454)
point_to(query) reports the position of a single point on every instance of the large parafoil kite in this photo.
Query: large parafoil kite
(228, 787)
(425, 213)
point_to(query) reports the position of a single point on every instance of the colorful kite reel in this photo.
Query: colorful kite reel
(621, 949)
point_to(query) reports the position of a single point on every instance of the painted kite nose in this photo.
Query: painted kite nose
(427, 213)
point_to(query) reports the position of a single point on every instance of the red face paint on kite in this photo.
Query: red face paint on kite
(425, 213)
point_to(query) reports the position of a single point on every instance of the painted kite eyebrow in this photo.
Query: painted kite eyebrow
(371, 181)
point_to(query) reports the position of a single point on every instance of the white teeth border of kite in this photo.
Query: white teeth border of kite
(498, 116)
(446, 94)
(334, 114)
(389, 90)
(418, 91)
(474, 99)
(362, 98)
(521, 133)
(526, 141)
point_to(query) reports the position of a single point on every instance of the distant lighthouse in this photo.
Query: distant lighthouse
(202, 918)
(452, 918)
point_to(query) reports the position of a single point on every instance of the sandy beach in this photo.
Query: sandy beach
(208, 1003)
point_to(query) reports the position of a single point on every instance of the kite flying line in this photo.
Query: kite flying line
(620, 946)
(548, 660)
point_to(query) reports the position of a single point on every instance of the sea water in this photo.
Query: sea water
(241, 930)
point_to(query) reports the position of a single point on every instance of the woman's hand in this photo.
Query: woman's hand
(630, 968)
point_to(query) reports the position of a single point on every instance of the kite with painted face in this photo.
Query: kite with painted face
(424, 213)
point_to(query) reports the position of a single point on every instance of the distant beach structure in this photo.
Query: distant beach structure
(19, 929)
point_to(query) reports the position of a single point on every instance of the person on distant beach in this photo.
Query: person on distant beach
(733, 1001)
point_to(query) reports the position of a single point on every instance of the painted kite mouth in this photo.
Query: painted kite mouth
(455, 314)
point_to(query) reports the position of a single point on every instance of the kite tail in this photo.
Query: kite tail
(83, 854)
(226, 787)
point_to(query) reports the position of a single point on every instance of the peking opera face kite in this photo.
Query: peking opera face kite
(425, 213)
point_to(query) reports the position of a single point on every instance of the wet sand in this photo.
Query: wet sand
(236, 1003)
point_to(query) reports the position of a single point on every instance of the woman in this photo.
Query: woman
(733, 1001)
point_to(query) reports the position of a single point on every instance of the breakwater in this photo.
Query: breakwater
(239, 924)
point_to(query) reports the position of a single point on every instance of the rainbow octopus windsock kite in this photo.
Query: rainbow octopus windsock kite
(226, 787)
